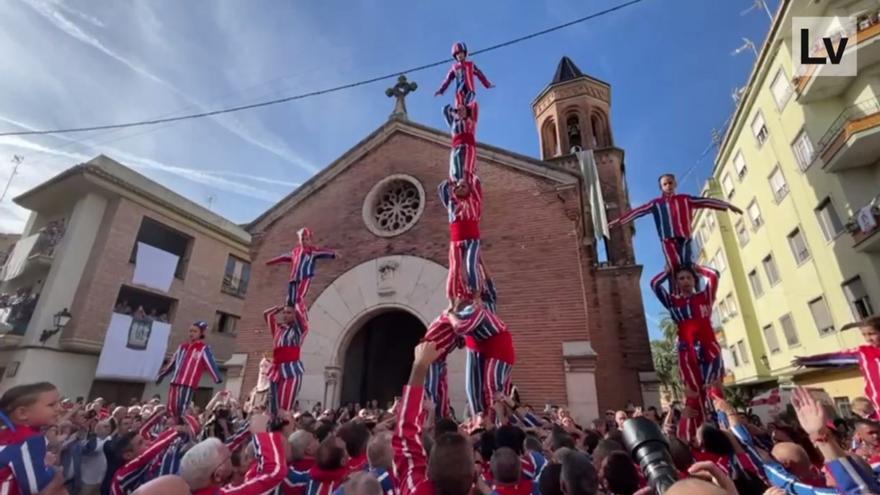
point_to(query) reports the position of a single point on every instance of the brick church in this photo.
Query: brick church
(577, 321)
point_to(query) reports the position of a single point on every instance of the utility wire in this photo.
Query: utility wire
(319, 92)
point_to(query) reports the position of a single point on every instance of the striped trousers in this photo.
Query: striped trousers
(179, 399)
(283, 393)
(462, 162)
(678, 251)
(485, 377)
(702, 369)
(296, 291)
(465, 276)
(437, 387)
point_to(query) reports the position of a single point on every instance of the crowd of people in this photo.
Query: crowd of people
(53, 445)
(140, 313)
(17, 308)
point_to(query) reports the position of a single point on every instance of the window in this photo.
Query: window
(843, 407)
(723, 310)
(798, 246)
(720, 262)
(859, 302)
(165, 238)
(803, 150)
(822, 316)
(225, 323)
(735, 356)
(716, 318)
(743, 351)
(759, 129)
(742, 233)
(755, 215)
(781, 89)
(770, 338)
(778, 184)
(731, 304)
(828, 220)
(771, 270)
(788, 331)
(727, 185)
(710, 221)
(739, 164)
(236, 277)
(755, 282)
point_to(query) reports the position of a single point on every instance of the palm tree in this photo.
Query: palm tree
(665, 356)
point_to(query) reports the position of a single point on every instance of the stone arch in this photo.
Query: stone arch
(601, 134)
(549, 139)
(401, 282)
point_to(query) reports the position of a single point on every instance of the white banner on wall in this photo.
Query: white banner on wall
(154, 267)
(133, 349)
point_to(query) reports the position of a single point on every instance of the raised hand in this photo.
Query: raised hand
(810, 413)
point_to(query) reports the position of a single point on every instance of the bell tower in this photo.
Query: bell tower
(573, 111)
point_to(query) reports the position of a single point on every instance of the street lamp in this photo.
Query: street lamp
(60, 320)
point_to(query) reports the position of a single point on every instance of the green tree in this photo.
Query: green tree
(665, 355)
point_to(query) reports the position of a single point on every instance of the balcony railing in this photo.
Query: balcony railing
(853, 119)
(235, 286)
(864, 227)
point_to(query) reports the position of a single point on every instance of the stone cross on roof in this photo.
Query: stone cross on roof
(399, 91)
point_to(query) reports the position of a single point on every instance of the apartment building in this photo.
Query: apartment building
(802, 159)
(75, 271)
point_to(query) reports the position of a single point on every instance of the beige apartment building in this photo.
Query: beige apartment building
(77, 253)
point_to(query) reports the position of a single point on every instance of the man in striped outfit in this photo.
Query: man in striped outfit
(699, 355)
(302, 259)
(444, 336)
(867, 357)
(673, 214)
(462, 123)
(138, 457)
(289, 327)
(463, 72)
(464, 205)
(186, 367)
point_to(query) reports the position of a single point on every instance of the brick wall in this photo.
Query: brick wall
(531, 246)
(198, 295)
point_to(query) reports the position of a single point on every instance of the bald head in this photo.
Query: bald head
(505, 465)
(380, 454)
(300, 443)
(792, 456)
(695, 486)
(362, 483)
(164, 485)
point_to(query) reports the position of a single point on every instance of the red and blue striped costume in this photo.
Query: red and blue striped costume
(287, 368)
(302, 259)
(23, 469)
(490, 356)
(268, 472)
(463, 158)
(410, 458)
(463, 72)
(699, 355)
(464, 279)
(442, 332)
(136, 471)
(315, 481)
(186, 367)
(867, 357)
(673, 214)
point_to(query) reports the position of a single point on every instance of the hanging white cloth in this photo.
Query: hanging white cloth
(154, 267)
(133, 353)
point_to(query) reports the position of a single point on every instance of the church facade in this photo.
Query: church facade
(577, 322)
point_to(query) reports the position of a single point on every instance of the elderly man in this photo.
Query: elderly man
(207, 466)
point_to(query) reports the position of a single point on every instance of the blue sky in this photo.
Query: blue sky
(71, 63)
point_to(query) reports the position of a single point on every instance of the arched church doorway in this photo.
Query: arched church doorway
(379, 357)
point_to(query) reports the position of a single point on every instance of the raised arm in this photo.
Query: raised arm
(146, 430)
(632, 214)
(410, 459)
(211, 364)
(239, 437)
(448, 115)
(658, 286)
(323, 253)
(482, 77)
(711, 275)
(848, 357)
(269, 315)
(284, 258)
(271, 467)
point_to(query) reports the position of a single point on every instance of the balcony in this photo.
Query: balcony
(853, 139)
(35, 250)
(817, 85)
(16, 311)
(865, 228)
(234, 286)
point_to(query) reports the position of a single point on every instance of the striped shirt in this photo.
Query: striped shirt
(672, 213)
(463, 73)
(697, 306)
(135, 472)
(867, 357)
(286, 336)
(23, 469)
(468, 208)
(302, 260)
(188, 364)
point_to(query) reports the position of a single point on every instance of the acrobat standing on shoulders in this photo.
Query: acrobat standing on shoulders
(186, 367)
(673, 214)
(464, 205)
(699, 354)
(302, 259)
(463, 127)
(289, 328)
(463, 72)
